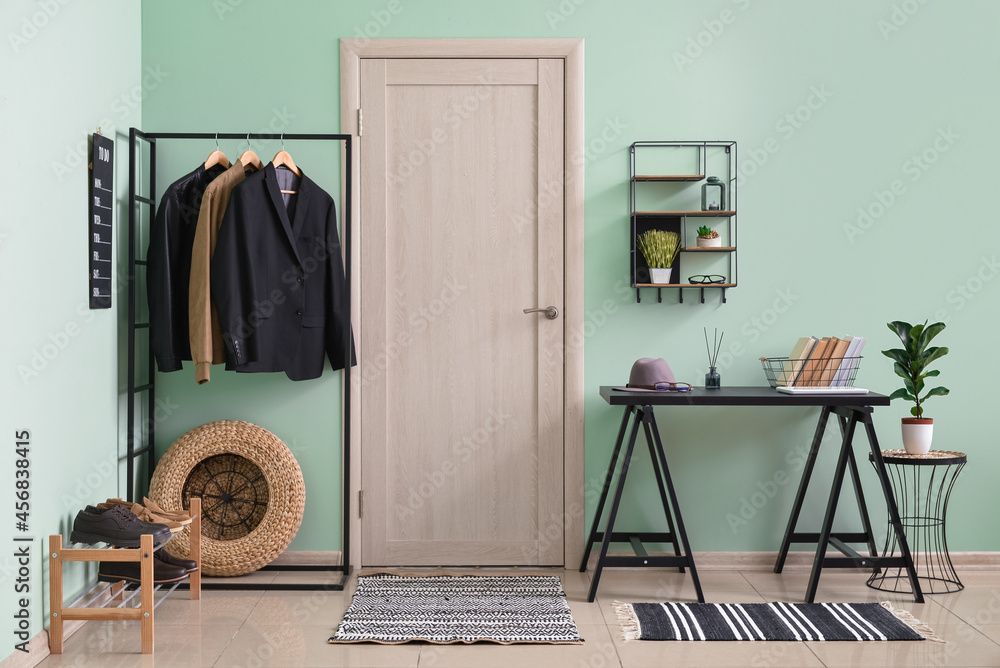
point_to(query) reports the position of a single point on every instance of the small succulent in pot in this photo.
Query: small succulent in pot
(708, 238)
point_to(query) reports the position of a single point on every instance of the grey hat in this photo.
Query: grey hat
(650, 375)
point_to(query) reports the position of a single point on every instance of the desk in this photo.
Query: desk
(851, 410)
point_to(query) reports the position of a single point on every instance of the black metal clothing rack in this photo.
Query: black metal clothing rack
(147, 426)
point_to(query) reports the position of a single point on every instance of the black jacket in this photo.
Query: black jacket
(168, 268)
(278, 282)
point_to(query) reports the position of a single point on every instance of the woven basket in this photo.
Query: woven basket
(253, 495)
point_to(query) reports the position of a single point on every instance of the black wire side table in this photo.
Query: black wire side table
(922, 485)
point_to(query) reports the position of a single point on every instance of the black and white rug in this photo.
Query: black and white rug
(769, 621)
(389, 608)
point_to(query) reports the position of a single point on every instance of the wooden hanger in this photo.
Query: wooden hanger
(216, 157)
(249, 157)
(282, 158)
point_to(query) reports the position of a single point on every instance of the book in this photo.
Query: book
(837, 349)
(793, 367)
(851, 357)
(813, 363)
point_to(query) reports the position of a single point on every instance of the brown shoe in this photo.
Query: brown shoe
(116, 526)
(115, 571)
(146, 515)
(188, 565)
(182, 516)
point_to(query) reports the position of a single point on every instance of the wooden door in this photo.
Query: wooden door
(461, 228)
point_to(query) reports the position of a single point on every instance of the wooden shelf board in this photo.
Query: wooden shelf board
(668, 177)
(685, 285)
(690, 214)
(709, 249)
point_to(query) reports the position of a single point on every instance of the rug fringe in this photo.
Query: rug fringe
(925, 631)
(628, 620)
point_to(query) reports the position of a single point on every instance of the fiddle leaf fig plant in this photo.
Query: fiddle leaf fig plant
(912, 360)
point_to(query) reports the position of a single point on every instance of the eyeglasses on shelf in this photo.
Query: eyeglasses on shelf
(706, 278)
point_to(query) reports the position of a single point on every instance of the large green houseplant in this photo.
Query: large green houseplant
(911, 363)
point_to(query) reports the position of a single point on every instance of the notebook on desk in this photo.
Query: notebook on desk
(821, 390)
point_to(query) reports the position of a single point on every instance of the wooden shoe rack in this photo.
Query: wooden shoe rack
(97, 609)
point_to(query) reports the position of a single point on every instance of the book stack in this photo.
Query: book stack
(822, 362)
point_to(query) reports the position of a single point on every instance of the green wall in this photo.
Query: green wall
(831, 103)
(65, 69)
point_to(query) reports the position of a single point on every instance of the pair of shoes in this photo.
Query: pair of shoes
(180, 516)
(188, 565)
(150, 512)
(116, 526)
(131, 571)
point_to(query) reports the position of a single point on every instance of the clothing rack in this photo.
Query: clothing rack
(147, 430)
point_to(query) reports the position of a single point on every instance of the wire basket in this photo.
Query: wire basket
(829, 372)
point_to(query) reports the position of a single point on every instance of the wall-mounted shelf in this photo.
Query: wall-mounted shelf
(656, 204)
(668, 177)
(689, 214)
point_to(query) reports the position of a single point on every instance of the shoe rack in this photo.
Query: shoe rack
(115, 606)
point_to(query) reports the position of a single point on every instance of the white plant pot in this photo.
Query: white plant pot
(660, 275)
(709, 243)
(917, 435)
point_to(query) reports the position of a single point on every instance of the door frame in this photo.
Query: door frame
(570, 50)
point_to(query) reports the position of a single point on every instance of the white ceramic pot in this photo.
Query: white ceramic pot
(709, 243)
(660, 275)
(917, 435)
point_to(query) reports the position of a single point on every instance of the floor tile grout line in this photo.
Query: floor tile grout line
(260, 598)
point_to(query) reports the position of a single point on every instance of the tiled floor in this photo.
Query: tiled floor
(249, 629)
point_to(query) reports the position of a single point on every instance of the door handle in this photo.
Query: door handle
(551, 312)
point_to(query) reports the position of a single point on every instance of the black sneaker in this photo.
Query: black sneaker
(116, 526)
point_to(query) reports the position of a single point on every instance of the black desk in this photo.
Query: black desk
(850, 410)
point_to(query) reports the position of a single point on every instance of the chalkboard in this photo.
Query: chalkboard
(102, 200)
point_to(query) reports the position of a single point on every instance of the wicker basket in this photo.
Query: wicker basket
(252, 492)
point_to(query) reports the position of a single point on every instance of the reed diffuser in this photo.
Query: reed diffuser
(712, 380)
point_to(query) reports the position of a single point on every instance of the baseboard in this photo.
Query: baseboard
(38, 647)
(309, 558)
(802, 560)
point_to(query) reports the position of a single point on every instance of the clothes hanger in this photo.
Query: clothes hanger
(216, 157)
(281, 158)
(250, 158)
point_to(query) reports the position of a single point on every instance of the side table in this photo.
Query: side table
(922, 485)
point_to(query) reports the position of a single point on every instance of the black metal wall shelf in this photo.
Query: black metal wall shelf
(677, 220)
(147, 426)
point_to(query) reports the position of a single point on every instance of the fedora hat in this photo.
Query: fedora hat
(651, 375)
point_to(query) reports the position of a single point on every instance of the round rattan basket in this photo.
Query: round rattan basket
(252, 492)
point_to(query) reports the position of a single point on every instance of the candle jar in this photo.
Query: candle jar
(713, 194)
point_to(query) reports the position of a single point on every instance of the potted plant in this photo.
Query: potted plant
(660, 248)
(911, 362)
(708, 238)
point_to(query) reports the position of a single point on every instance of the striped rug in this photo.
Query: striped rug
(769, 621)
(389, 608)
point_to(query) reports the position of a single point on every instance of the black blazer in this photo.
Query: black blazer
(278, 283)
(168, 266)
